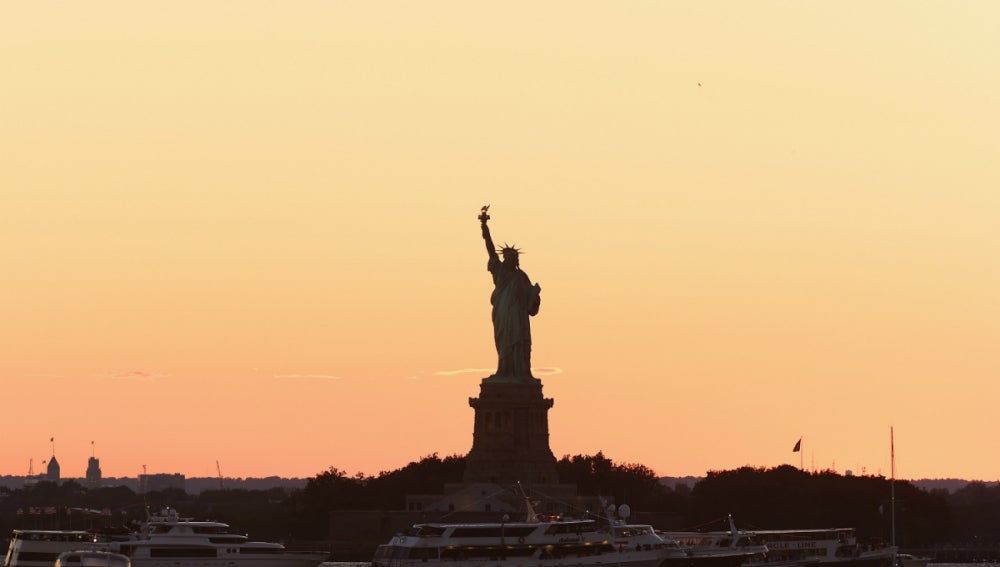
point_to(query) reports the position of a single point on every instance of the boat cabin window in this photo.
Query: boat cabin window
(425, 530)
(55, 536)
(211, 529)
(630, 531)
(570, 528)
(492, 531)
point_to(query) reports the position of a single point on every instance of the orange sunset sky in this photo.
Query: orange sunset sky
(246, 231)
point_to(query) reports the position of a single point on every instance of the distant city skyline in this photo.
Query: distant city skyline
(247, 233)
(214, 478)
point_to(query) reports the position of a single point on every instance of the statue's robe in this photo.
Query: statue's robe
(514, 299)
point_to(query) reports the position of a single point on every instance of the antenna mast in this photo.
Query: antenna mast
(218, 468)
(892, 487)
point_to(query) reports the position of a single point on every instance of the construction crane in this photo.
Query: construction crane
(218, 468)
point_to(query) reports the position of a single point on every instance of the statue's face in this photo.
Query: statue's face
(510, 257)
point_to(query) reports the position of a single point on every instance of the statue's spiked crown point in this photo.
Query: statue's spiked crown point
(508, 249)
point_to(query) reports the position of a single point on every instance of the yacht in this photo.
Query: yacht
(41, 548)
(164, 540)
(168, 540)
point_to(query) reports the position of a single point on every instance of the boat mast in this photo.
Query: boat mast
(892, 488)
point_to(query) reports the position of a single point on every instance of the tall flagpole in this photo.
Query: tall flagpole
(892, 487)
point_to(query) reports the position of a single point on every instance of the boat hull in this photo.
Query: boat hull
(624, 559)
(273, 561)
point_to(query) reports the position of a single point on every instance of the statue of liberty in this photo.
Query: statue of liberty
(514, 299)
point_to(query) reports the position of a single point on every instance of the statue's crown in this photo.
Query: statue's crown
(508, 250)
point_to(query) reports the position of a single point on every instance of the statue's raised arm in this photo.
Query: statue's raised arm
(514, 300)
(483, 217)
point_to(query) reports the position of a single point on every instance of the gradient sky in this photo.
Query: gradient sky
(246, 231)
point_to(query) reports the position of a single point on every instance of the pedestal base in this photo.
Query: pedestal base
(510, 441)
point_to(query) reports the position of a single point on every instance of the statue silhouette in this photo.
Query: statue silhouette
(514, 299)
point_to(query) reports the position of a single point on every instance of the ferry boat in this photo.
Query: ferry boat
(828, 547)
(535, 542)
(793, 548)
(91, 558)
(168, 540)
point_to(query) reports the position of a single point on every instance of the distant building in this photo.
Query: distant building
(52, 474)
(162, 481)
(93, 472)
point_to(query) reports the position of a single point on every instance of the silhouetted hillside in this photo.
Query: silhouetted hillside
(951, 485)
(194, 485)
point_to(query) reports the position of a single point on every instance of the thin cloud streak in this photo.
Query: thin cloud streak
(133, 375)
(544, 371)
(307, 377)
(463, 371)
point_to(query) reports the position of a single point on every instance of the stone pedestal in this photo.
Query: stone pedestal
(510, 439)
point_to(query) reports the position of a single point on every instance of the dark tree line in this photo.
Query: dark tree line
(335, 490)
(784, 497)
(781, 497)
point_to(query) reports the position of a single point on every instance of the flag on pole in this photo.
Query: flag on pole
(798, 446)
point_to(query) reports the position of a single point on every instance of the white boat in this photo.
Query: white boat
(831, 547)
(165, 540)
(744, 546)
(91, 558)
(41, 548)
(536, 542)
(168, 540)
